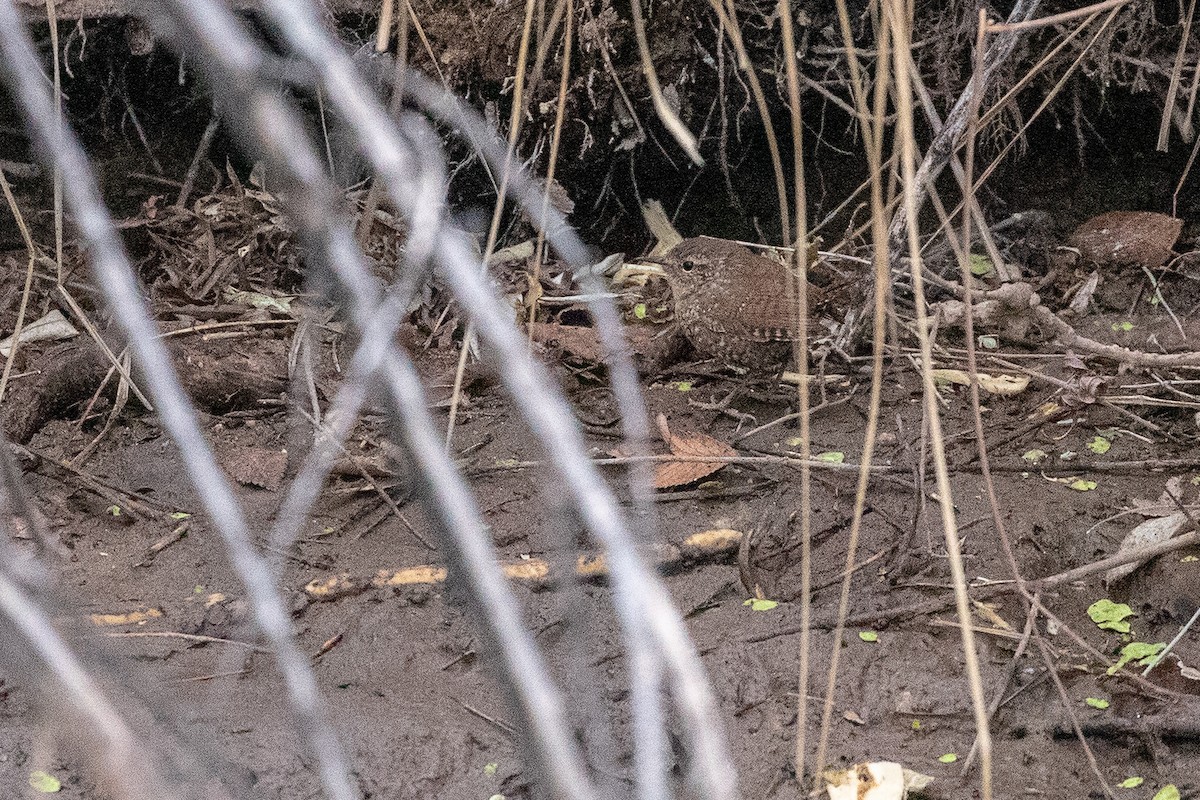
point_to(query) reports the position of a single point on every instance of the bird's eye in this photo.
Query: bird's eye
(687, 266)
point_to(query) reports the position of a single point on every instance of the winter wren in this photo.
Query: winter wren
(731, 303)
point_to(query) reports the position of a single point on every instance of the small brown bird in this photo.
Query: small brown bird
(731, 303)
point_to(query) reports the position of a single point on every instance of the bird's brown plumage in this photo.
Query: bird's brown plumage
(732, 303)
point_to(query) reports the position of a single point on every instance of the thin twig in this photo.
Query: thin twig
(189, 179)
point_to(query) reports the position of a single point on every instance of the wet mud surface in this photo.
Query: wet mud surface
(142, 579)
(407, 681)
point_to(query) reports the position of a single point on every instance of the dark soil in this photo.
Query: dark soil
(409, 686)
(414, 700)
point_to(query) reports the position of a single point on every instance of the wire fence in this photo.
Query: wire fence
(666, 677)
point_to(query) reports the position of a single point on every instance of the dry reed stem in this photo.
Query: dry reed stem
(383, 32)
(1054, 19)
(366, 222)
(31, 251)
(1164, 125)
(325, 131)
(433, 59)
(982, 740)
(52, 21)
(114, 276)
(797, 290)
(874, 138)
(1004, 271)
(86, 321)
(1187, 130)
(514, 130)
(1069, 707)
(946, 139)
(124, 759)
(547, 36)
(894, 13)
(666, 114)
(1046, 101)
(727, 14)
(555, 140)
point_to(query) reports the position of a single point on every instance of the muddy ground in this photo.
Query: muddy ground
(414, 700)
(409, 687)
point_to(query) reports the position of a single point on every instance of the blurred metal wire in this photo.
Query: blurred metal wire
(406, 160)
(35, 650)
(115, 278)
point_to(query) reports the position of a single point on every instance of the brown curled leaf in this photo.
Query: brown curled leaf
(1128, 238)
(671, 474)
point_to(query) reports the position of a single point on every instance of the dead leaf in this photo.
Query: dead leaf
(660, 225)
(650, 351)
(989, 613)
(1072, 360)
(52, 327)
(880, 780)
(1083, 295)
(577, 341)
(1128, 238)
(516, 252)
(257, 466)
(560, 198)
(993, 384)
(670, 474)
(1166, 503)
(1084, 391)
(1152, 531)
(127, 618)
